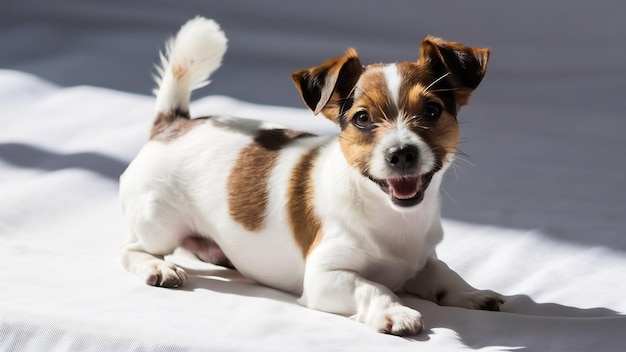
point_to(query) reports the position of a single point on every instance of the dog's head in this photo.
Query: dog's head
(398, 121)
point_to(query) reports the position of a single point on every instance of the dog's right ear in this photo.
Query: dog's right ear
(324, 88)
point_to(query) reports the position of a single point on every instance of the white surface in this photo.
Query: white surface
(62, 288)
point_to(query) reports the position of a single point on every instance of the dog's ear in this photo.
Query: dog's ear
(325, 87)
(464, 67)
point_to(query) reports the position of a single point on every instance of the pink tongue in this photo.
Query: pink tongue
(405, 187)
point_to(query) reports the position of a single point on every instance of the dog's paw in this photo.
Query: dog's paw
(164, 274)
(481, 299)
(402, 321)
(397, 320)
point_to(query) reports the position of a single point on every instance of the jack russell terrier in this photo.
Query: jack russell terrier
(343, 221)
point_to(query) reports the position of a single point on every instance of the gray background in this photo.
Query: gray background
(545, 131)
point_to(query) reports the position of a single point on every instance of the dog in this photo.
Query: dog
(343, 221)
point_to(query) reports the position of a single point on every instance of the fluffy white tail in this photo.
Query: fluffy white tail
(187, 63)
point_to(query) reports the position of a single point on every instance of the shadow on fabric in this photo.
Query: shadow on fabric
(525, 325)
(28, 156)
(521, 325)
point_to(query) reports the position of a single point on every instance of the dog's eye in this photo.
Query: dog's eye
(432, 110)
(362, 120)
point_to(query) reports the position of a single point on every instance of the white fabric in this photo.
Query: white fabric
(62, 288)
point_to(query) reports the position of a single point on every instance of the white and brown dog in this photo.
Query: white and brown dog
(344, 221)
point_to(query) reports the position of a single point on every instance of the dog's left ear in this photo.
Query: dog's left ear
(324, 88)
(464, 66)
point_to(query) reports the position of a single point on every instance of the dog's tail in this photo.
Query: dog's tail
(187, 63)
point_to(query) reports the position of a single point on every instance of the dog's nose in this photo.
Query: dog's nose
(402, 158)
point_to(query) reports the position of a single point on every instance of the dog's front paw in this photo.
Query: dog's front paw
(402, 321)
(481, 299)
(164, 274)
(396, 320)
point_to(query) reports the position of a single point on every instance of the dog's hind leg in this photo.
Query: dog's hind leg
(157, 229)
(151, 267)
(151, 200)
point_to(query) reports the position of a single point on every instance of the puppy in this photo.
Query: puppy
(343, 221)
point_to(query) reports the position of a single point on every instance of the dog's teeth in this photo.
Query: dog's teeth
(404, 187)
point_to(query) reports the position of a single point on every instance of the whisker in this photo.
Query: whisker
(435, 81)
(449, 196)
(443, 90)
(456, 167)
(347, 98)
(416, 119)
(464, 157)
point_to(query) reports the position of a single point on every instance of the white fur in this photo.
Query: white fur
(369, 248)
(400, 135)
(393, 80)
(194, 54)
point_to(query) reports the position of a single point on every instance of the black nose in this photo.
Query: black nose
(402, 158)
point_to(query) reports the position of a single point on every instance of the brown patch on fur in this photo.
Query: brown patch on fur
(247, 186)
(371, 95)
(166, 129)
(442, 137)
(248, 181)
(357, 147)
(304, 222)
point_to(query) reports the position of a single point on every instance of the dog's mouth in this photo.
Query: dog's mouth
(405, 191)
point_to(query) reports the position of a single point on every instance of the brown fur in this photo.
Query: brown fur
(357, 145)
(247, 186)
(171, 125)
(357, 148)
(304, 223)
(248, 181)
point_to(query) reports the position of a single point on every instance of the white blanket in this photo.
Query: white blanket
(62, 287)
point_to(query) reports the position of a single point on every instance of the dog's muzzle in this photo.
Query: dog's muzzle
(405, 185)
